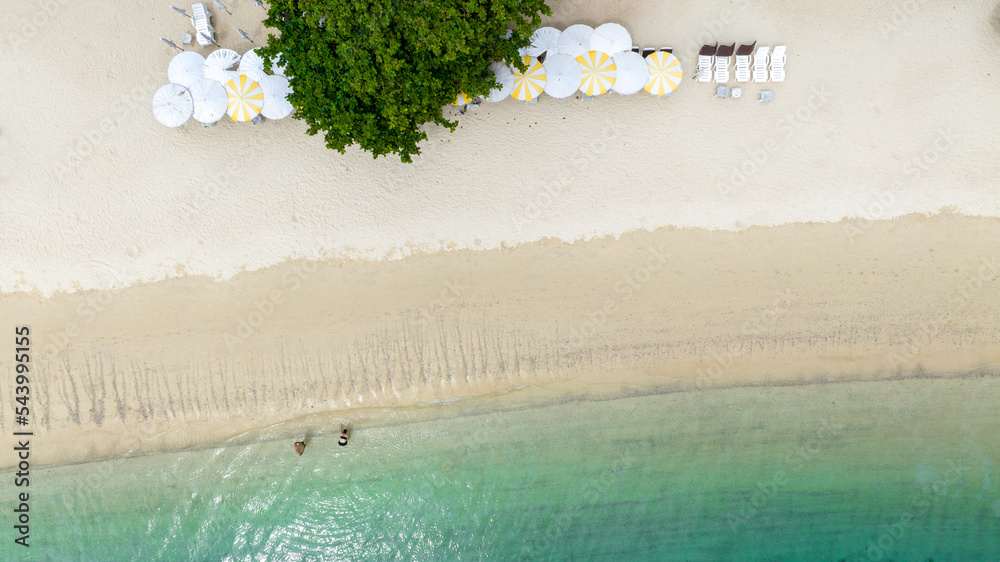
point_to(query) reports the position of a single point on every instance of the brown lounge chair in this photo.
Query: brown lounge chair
(743, 57)
(746, 50)
(706, 58)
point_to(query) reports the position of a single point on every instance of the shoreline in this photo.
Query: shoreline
(167, 365)
(533, 397)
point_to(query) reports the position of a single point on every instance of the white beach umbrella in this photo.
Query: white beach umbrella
(575, 40)
(665, 73)
(218, 63)
(276, 67)
(172, 105)
(506, 79)
(543, 40)
(632, 73)
(245, 98)
(528, 84)
(562, 75)
(185, 68)
(252, 65)
(210, 100)
(610, 38)
(276, 104)
(599, 72)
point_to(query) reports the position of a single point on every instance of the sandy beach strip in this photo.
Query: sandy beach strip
(192, 361)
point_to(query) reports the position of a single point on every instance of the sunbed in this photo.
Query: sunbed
(201, 20)
(722, 59)
(706, 57)
(760, 62)
(778, 64)
(743, 56)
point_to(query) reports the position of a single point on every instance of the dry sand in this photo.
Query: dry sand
(88, 174)
(889, 110)
(191, 361)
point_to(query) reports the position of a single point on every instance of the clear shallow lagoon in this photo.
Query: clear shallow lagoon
(893, 470)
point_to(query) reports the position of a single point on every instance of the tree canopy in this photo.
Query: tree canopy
(371, 72)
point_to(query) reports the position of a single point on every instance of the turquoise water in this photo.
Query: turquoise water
(895, 470)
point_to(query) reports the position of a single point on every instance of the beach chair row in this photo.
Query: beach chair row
(760, 66)
(650, 50)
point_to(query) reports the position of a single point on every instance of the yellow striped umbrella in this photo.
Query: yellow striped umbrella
(527, 85)
(599, 72)
(461, 99)
(246, 99)
(665, 73)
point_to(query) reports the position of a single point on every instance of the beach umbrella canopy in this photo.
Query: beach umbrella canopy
(528, 84)
(186, 68)
(599, 72)
(245, 98)
(252, 65)
(218, 63)
(543, 40)
(632, 73)
(562, 75)
(276, 66)
(610, 38)
(460, 99)
(276, 104)
(210, 100)
(665, 73)
(575, 40)
(506, 79)
(172, 105)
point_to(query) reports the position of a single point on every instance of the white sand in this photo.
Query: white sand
(95, 193)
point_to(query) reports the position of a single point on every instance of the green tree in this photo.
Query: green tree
(371, 72)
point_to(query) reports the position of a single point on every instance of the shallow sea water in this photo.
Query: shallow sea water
(891, 470)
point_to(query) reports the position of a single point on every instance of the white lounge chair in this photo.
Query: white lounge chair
(743, 56)
(202, 22)
(760, 62)
(778, 64)
(722, 59)
(706, 57)
(765, 96)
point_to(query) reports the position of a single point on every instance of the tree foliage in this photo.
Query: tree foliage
(372, 72)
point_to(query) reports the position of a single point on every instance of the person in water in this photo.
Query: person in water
(344, 437)
(300, 447)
